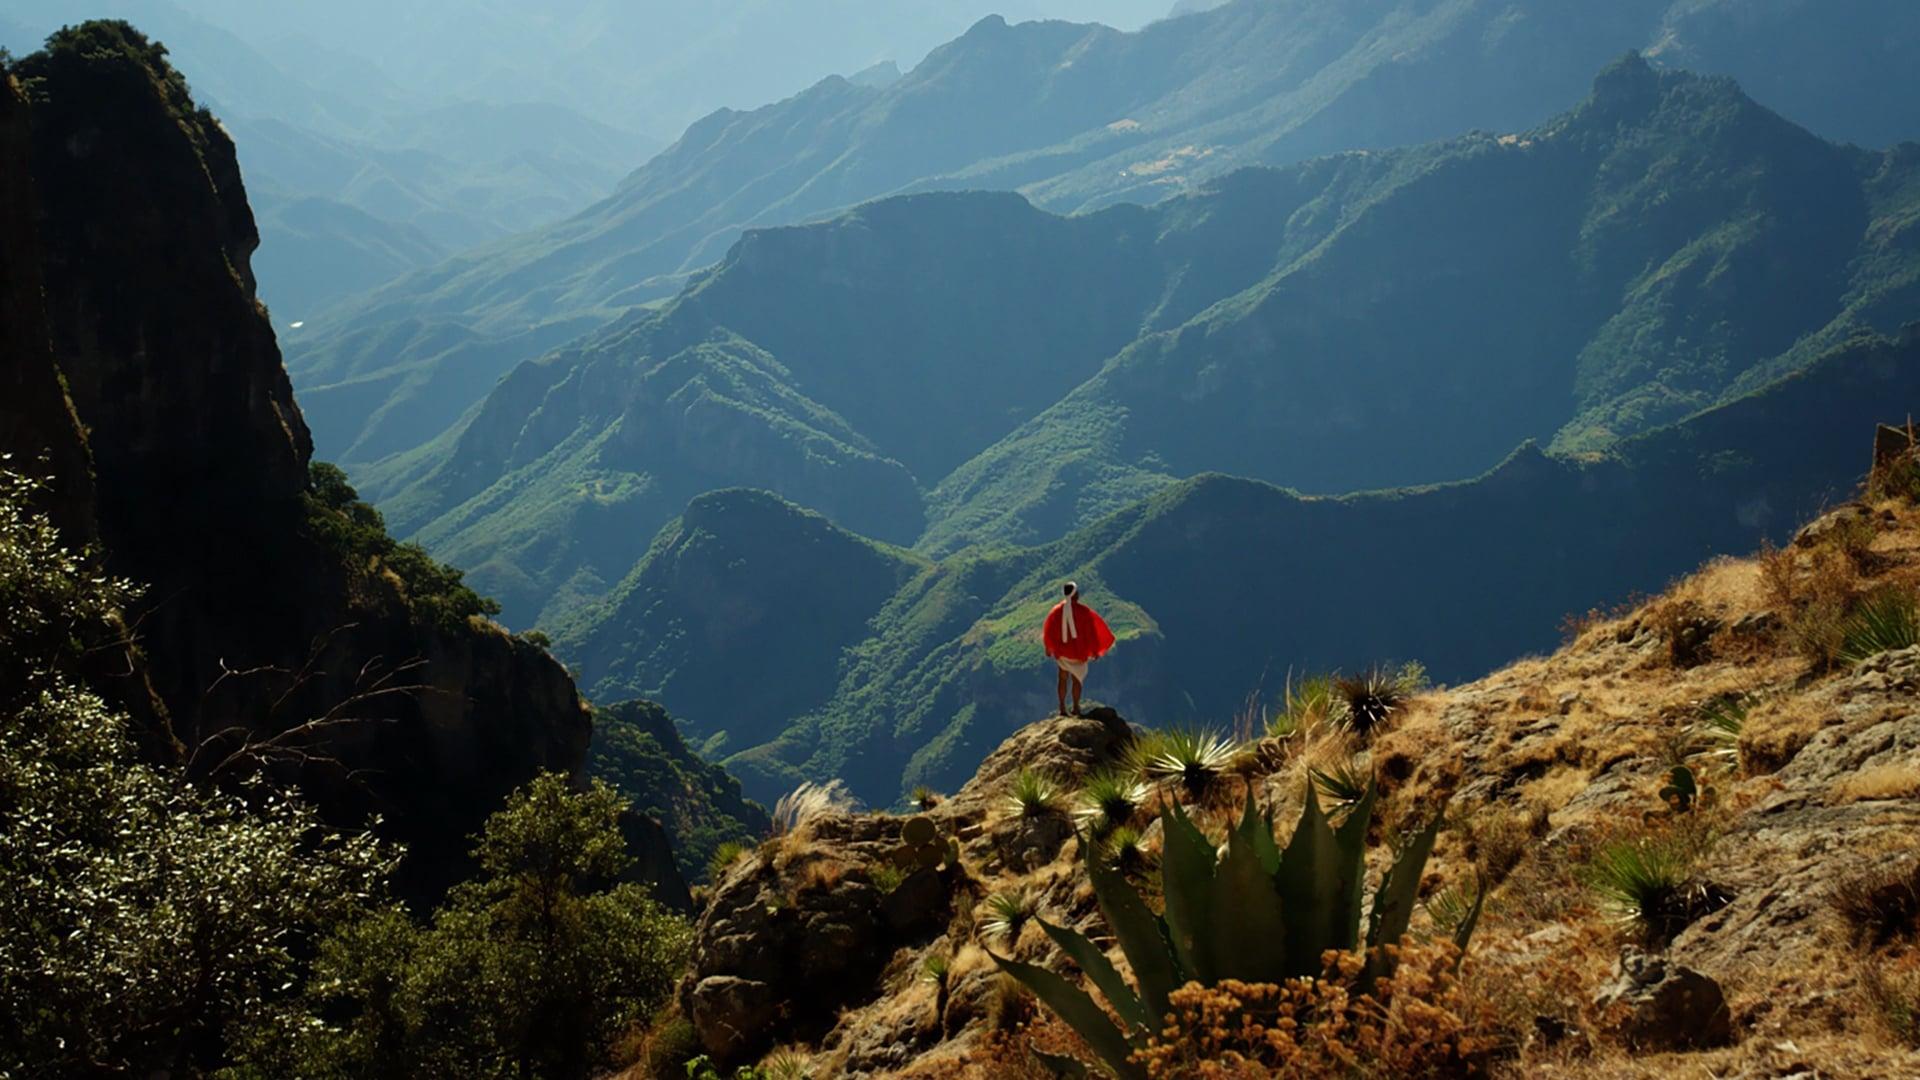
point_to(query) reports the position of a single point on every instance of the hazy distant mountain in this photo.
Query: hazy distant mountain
(408, 180)
(1077, 117)
(1367, 320)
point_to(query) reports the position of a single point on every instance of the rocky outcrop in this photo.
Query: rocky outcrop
(1666, 1006)
(250, 623)
(801, 928)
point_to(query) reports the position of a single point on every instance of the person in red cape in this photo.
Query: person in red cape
(1075, 636)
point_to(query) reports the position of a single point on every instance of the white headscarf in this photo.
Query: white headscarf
(1067, 632)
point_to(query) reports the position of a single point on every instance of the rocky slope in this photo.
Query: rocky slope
(1073, 116)
(273, 629)
(1542, 764)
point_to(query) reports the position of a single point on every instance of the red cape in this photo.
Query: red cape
(1091, 638)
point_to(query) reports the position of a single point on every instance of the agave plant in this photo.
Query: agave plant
(1257, 914)
(1008, 913)
(1721, 722)
(1344, 783)
(1193, 761)
(1109, 800)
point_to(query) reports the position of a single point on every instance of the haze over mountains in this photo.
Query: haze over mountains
(379, 139)
(1074, 117)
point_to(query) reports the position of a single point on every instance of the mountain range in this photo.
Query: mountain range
(1075, 117)
(946, 370)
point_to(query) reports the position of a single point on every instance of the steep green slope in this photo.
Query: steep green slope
(1220, 586)
(1622, 266)
(638, 750)
(1361, 321)
(1082, 116)
(737, 614)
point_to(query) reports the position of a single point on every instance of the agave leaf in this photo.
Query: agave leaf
(1393, 901)
(1312, 883)
(1247, 929)
(1101, 973)
(1143, 938)
(1186, 879)
(1352, 838)
(1464, 932)
(1073, 1005)
(1257, 830)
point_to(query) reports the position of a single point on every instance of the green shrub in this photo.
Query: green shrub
(1307, 704)
(357, 533)
(1887, 620)
(886, 877)
(1257, 914)
(142, 917)
(537, 967)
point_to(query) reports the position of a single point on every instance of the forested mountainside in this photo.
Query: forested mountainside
(1074, 117)
(949, 369)
(1217, 587)
(278, 625)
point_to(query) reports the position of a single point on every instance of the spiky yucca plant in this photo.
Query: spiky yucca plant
(1371, 697)
(786, 1065)
(1344, 783)
(1008, 913)
(1257, 914)
(1122, 849)
(1887, 620)
(924, 797)
(1307, 704)
(1195, 762)
(1109, 800)
(1642, 881)
(1033, 793)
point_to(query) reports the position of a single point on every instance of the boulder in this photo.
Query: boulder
(1668, 1006)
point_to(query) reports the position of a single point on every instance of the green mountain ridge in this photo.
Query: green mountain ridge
(945, 370)
(1076, 117)
(1218, 587)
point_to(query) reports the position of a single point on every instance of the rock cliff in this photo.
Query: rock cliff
(135, 338)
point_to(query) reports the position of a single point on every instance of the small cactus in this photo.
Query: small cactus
(1684, 790)
(921, 847)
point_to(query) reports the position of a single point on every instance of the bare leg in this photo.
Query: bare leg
(1076, 695)
(1063, 691)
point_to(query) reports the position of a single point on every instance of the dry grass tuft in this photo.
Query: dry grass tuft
(1879, 905)
(1880, 782)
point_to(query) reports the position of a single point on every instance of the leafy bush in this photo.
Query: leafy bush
(1258, 914)
(535, 968)
(142, 918)
(1887, 620)
(356, 532)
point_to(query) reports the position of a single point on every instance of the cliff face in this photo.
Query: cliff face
(256, 624)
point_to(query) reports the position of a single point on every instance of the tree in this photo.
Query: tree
(142, 918)
(534, 969)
